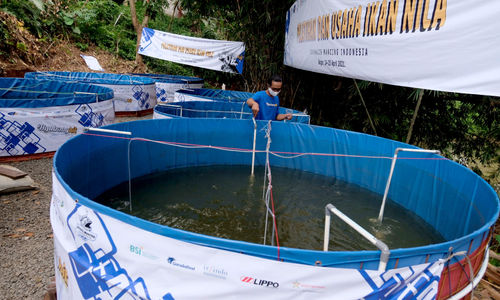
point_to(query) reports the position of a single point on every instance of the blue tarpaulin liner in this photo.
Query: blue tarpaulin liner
(215, 94)
(17, 92)
(218, 109)
(459, 204)
(87, 77)
(166, 78)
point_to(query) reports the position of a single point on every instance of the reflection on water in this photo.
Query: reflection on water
(225, 201)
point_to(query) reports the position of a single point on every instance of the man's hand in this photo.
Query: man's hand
(282, 117)
(255, 109)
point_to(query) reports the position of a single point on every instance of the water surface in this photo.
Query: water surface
(226, 202)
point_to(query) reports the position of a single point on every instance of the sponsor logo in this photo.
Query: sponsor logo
(259, 282)
(175, 263)
(139, 250)
(45, 128)
(214, 271)
(61, 266)
(271, 104)
(298, 285)
(84, 229)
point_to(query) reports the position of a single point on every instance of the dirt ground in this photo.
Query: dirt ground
(26, 237)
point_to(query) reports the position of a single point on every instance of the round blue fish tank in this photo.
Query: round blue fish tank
(102, 251)
(133, 95)
(211, 95)
(37, 116)
(167, 85)
(217, 109)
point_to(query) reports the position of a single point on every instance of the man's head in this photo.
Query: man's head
(274, 85)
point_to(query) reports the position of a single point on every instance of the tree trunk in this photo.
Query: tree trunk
(139, 64)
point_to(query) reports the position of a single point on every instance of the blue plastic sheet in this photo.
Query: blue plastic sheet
(86, 77)
(455, 201)
(219, 109)
(18, 92)
(217, 95)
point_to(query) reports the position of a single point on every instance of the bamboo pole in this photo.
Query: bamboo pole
(415, 113)
(366, 109)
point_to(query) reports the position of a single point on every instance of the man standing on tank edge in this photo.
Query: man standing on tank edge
(265, 104)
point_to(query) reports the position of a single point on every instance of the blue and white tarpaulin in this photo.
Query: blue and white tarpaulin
(131, 93)
(102, 253)
(27, 131)
(167, 85)
(436, 44)
(38, 116)
(95, 260)
(225, 56)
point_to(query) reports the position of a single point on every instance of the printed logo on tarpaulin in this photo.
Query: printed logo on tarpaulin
(139, 250)
(215, 271)
(84, 229)
(96, 267)
(259, 282)
(310, 287)
(172, 261)
(61, 266)
(88, 118)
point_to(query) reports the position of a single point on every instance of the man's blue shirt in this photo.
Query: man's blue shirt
(268, 106)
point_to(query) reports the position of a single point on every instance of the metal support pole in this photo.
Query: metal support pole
(385, 252)
(393, 165)
(254, 140)
(107, 130)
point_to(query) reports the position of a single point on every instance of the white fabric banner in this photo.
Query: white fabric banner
(435, 44)
(94, 259)
(25, 131)
(216, 55)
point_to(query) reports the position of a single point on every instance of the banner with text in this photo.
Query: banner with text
(216, 55)
(431, 44)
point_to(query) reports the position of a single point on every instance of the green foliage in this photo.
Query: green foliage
(82, 46)
(27, 12)
(104, 23)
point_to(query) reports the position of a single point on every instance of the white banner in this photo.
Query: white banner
(94, 259)
(435, 44)
(216, 55)
(25, 131)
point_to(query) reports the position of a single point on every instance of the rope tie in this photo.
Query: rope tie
(471, 271)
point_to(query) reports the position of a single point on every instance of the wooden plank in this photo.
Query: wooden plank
(11, 173)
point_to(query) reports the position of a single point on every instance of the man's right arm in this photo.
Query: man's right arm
(254, 106)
